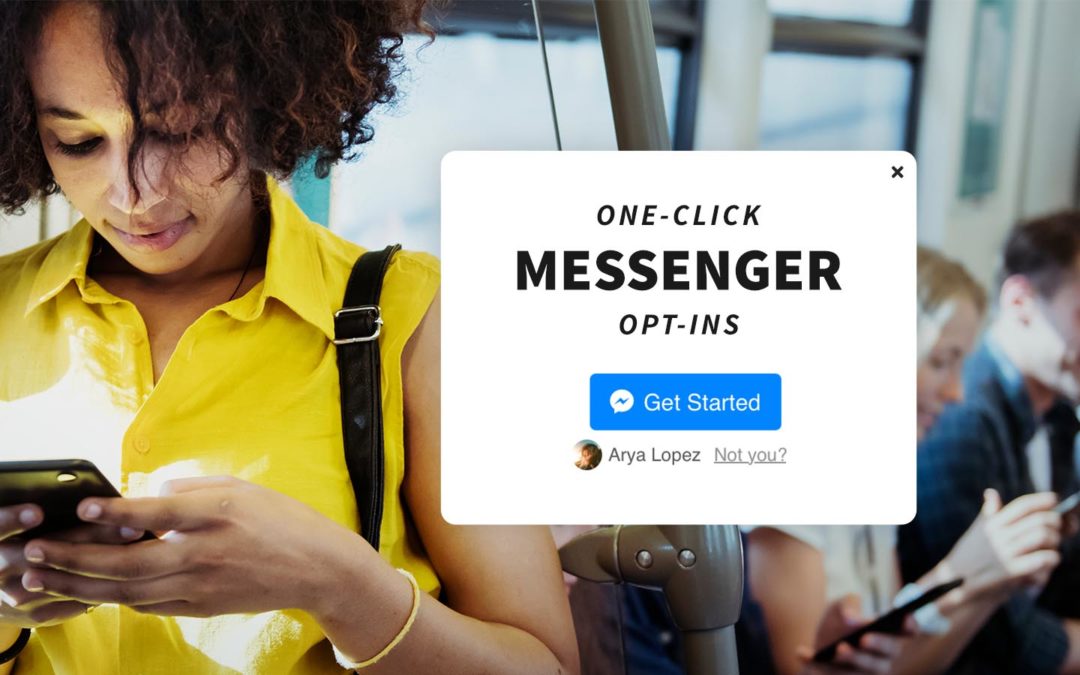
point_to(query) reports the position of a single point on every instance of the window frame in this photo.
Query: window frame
(836, 37)
(676, 23)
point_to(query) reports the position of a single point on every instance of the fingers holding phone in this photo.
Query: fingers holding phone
(872, 652)
(26, 608)
(1007, 547)
(848, 649)
(14, 520)
(23, 608)
(877, 658)
(1025, 536)
(1069, 508)
(876, 653)
(38, 502)
(18, 606)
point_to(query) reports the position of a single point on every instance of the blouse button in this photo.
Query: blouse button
(135, 337)
(142, 444)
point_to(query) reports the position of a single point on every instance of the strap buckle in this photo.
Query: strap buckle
(376, 321)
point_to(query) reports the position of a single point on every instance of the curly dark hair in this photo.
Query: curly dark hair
(272, 83)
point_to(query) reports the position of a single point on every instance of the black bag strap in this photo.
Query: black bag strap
(356, 330)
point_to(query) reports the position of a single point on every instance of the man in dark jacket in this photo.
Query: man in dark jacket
(1015, 432)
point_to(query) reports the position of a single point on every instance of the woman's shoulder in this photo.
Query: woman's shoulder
(411, 281)
(334, 255)
(16, 265)
(18, 272)
(413, 268)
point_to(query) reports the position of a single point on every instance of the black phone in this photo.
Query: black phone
(891, 622)
(57, 486)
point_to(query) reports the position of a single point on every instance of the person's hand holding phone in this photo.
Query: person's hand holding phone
(876, 652)
(1069, 508)
(1007, 547)
(226, 546)
(25, 609)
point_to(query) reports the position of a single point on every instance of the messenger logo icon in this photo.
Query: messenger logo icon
(621, 400)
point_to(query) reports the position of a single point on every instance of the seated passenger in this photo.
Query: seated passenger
(1015, 433)
(816, 583)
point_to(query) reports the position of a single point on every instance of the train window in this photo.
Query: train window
(843, 75)
(890, 12)
(579, 86)
(20, 230)
(462, 92)
(482, 85)
(822, 102)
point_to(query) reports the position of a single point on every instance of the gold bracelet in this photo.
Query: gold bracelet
(349, 664)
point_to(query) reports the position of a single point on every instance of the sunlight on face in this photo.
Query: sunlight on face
(1059, 347)
(938, 378)
(85, 128)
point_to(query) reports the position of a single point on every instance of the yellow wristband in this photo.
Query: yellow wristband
(346, 662)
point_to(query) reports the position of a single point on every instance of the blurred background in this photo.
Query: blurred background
(984, 93)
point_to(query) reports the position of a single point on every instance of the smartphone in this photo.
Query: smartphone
(57, 486)
(892, 622)
(1068, 505)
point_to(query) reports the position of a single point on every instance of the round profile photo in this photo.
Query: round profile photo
(587, 455)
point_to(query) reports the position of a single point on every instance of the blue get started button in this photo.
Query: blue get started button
(684, 402)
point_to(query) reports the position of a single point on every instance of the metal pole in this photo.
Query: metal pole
(547, 71)
(711, 653)
(699, 568)
(629, 46)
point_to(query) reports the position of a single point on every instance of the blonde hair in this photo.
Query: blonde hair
(941, 283)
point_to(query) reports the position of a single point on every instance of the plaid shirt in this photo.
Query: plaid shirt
(978, 444)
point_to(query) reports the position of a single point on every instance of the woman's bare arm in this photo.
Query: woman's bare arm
(788, 581)
(508, 610)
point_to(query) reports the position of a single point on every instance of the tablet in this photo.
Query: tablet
(891, 622)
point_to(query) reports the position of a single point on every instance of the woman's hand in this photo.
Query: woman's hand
(1006, 548)
(226, 546)
(875, 653)
(26, 609)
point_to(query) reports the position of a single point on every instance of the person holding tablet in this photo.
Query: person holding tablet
(817, 583)
(180, 337)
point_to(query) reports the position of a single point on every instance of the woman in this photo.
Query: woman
(589, 455)
(816, 583)
(180, 336)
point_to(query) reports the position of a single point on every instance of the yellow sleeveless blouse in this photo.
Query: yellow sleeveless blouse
(251, 391)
